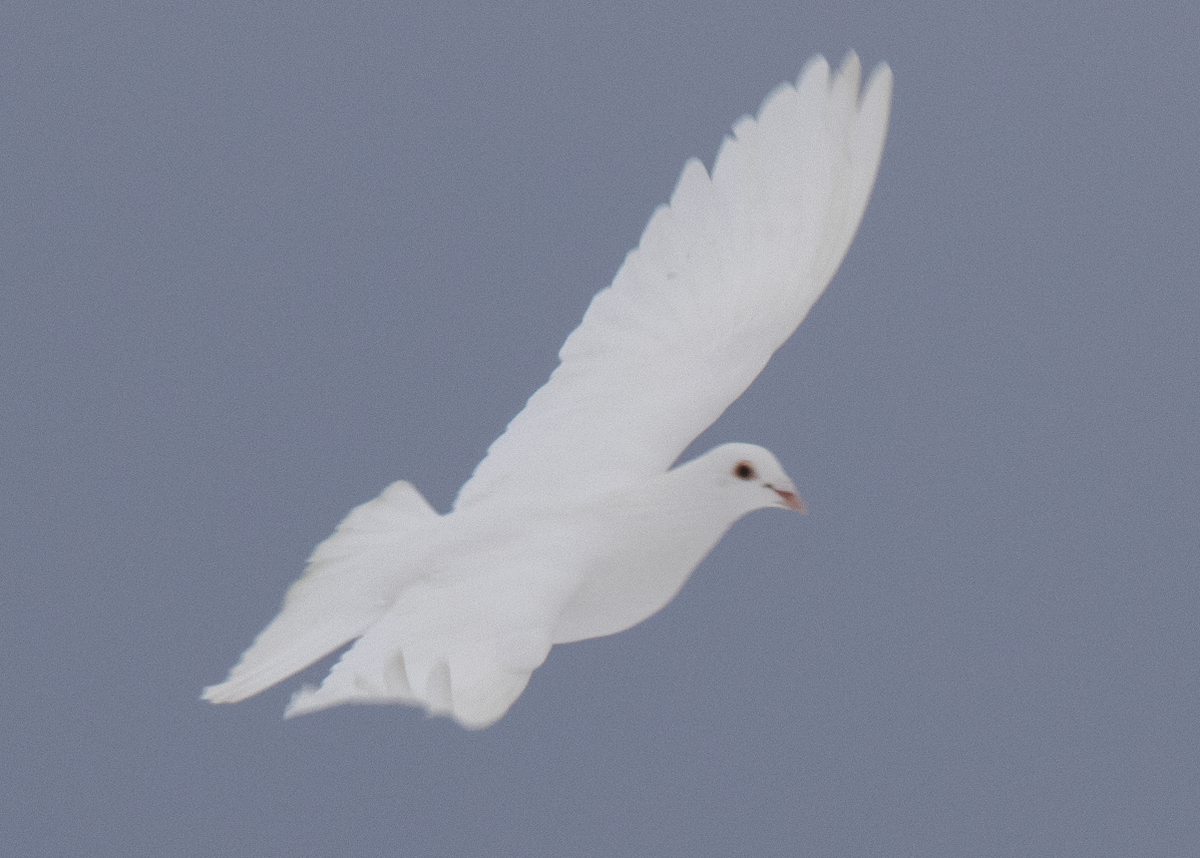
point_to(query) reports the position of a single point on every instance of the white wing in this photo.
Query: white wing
(721, 278)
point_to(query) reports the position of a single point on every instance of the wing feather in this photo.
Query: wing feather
(721, 278)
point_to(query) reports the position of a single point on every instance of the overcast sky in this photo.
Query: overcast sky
(258, 260)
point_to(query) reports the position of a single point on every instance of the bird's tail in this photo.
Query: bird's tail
(350, 581)
(402, 660)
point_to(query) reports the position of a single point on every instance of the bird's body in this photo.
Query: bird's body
(575, 525)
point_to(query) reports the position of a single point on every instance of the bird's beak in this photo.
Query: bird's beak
(792, 500)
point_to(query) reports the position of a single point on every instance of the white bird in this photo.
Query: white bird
(575, 525)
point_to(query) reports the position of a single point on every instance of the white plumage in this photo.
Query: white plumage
(572, 526)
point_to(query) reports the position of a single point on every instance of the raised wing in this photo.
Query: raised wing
(721, 278)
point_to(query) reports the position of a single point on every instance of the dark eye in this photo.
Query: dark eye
(744, 471)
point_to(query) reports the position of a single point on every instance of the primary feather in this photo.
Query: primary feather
(572, 526)
(721, 278)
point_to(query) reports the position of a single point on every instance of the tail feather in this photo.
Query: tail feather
(472, 677)
(351, 580)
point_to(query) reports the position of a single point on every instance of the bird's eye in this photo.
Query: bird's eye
(744, 471)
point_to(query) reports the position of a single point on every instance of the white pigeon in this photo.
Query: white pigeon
(575, 525)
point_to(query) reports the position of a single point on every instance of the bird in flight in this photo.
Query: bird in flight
(575, 525)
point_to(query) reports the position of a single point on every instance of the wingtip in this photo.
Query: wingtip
(817, 71)
(816, 61)
(851, 65)
(296, 705)
(213, 694)
(879, 84)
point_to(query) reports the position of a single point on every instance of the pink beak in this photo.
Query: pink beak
(792, 501)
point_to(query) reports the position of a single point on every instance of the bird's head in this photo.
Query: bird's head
(750, 476)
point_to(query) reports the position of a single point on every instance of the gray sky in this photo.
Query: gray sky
(259, 260)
